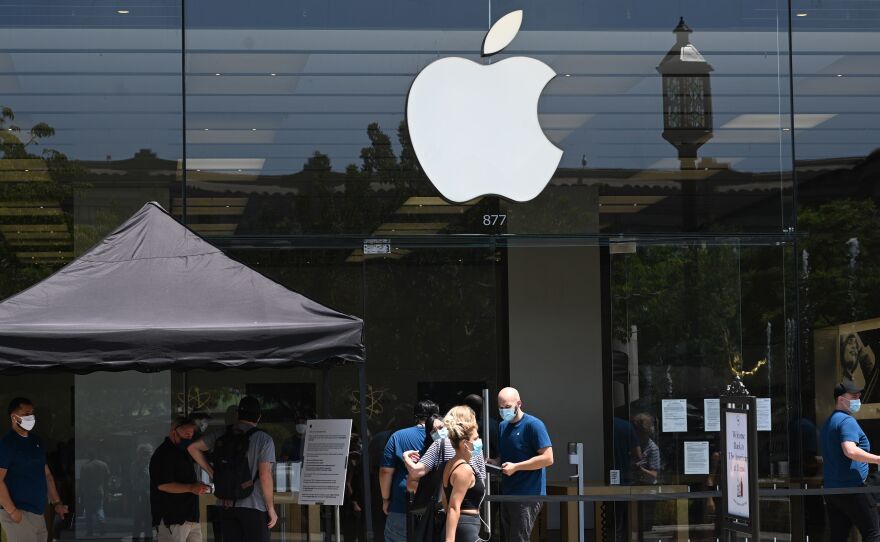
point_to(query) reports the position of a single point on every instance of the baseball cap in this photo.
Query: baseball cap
(249, 408)
(846, 386)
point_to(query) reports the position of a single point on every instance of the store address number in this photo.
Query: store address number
(494, 220)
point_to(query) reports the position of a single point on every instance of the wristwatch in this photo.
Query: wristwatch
(56, 503)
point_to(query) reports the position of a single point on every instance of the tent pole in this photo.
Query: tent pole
(327, 391)
(365, 447)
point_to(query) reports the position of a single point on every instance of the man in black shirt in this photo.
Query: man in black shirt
(174, 487)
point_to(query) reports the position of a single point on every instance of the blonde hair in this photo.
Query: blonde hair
(460, 421)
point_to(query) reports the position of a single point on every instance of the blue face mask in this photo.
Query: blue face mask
(184, 443)
(855, 405)
(440, 434)
(507, 414)
(478, 447)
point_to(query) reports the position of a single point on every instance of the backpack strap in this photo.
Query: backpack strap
(247, 435)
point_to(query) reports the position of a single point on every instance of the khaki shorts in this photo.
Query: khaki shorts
(186, 532)
(31, 528)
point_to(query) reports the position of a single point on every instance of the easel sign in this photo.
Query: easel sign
(325, 461)
(739, 462)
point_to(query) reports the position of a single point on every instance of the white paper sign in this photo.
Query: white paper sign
(712, 415)
(325, 460)
(763, 412)
(696, 457)
(614, 477)
(674, 415)
(737, 464)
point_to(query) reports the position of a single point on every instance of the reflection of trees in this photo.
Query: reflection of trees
(683, 300)
(841, 286)
(355, 201)
(35, 193)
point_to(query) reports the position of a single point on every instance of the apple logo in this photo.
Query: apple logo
(475, 128)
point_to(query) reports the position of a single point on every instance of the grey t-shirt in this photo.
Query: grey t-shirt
(261, 449)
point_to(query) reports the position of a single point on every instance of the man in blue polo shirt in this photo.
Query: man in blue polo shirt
(26, 484)
(526, 452)
(392, 474)
(846, 453)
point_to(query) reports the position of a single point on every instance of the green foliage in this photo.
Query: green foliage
(683, 299)
(834, 291)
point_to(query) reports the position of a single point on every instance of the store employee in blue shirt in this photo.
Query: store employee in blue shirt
(392, 474)
(526, 452)
(26, 484)
(846, 453)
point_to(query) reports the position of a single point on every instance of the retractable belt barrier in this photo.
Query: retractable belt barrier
(765, 492)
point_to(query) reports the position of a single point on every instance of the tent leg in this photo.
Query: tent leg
(365, 449)
(327, 392)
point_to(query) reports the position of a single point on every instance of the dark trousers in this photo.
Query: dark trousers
(518, 519)
(245, 525)
(846, 511)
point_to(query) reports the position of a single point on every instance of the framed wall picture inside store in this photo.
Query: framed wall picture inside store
(852, 350)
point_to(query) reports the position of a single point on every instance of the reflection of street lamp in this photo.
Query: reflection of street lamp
(687, 97)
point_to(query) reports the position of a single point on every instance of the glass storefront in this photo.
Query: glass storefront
(715, 211)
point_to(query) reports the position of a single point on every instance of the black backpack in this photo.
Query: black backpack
(232, 471)
(426, 519)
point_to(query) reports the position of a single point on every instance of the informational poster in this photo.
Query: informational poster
(712, 415)
(674, 413)
(763, 412)
(696, 457)
(325, 461)
(737, 463)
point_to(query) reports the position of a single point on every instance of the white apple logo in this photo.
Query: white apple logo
(475, 127)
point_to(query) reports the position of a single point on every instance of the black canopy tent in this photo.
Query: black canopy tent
(154, 295)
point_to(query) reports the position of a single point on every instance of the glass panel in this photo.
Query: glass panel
(434, 334)
(686, 318)
(666, 124)
(89, 128)
(120, 419)
(295, 119)
(836, 80)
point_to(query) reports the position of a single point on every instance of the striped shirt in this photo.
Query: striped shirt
(431, 458)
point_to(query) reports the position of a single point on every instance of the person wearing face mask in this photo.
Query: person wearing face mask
(846, 454)
(26, 483)
(292, 447)
(174, 486)
(419, 464)
(463, 489)
(251, 517)
(393, 473)
(526, 452)
(426, 468)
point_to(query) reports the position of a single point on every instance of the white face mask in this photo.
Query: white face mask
(300, 428)
(27, 422)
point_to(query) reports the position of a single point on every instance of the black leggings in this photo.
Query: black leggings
(467, 530)
(846, 511)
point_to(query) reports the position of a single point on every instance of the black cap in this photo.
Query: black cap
(846, 386)
(249, 409)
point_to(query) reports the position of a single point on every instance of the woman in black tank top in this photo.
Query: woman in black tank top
(462, 489)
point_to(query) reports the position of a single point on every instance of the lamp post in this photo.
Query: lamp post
(687, 97)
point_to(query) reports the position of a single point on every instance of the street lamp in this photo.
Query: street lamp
(687, 97)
